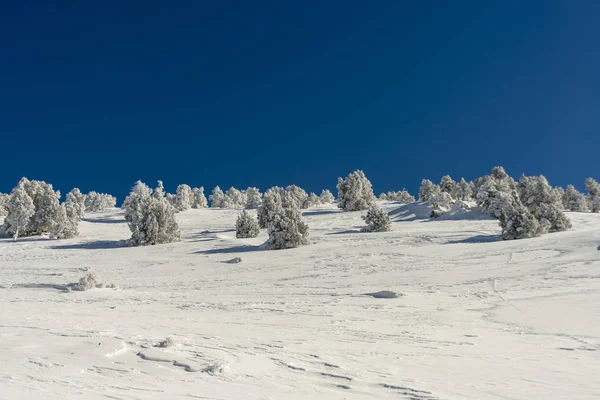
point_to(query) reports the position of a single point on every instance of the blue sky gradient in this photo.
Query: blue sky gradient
(238, 93)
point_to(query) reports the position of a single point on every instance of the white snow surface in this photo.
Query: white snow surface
(476, 317)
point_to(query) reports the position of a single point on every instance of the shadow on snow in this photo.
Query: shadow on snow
(477, 239)
(234, 249)
(62, 288)
(97, 245)
(321, 212)
(103, 220)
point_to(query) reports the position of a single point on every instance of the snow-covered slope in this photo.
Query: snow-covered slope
(478, 318)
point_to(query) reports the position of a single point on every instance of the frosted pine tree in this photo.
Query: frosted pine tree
(235, 198)
(183, 198)
(312, 201)
(355, 193)
(159, 192)
(490, 189)
(98, 201)
(575, 200)
(377, 220)
(45, 210)
(448, 185)
(4, 199)
(132, 203)
(20, 210)
(198, 198)
(298, 195)
(326, 197)
(271, 205)
(217, 198)
(246, 226)
(559, 193)
(543, 203)
(253, 198)
(593, 196)
(515, 220)
(75, 204)
(465, 190)
(427, 190)
(63, 226)
(439, 203)
(286, 229)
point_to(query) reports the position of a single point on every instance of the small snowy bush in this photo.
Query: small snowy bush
(312, 201)
(99, 201)
(286, 229)
(543, 203)
(515, 220)
(198, 198)
(377, 220)
(168, 342)
(246, 226)
(87, 282)
(235, 198)
(326, 197)
(355, 193)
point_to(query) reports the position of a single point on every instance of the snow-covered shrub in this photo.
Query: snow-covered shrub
(298, 195)
(235, 198)
(402, 196)
(217, 198)
(168, 342)
(465, 190)
(20, 210)
(88, 282)
(172, 200)
(355, 193)
(448, 185)
(427, 190)
(99, 201)
(492, 188)
(326, 197)
(64, 226)
(560, 193)
(271, 205)
(75, 204)
(543, 203)
(515, 219)
(593, 196)
(575, 200)
(183, 198)
(4, 199)
(151, 220)
(312, 201)
(198, 198)
(246, 226)
(253, 198)
(441, 201)
(377, 220)
(286, 229)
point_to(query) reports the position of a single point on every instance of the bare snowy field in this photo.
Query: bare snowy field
(479, 318)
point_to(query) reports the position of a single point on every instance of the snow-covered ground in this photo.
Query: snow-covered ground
(479, 318)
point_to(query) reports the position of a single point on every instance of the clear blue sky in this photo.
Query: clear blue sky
(100, 94)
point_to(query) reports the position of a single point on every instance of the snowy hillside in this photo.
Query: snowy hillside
(476, 317)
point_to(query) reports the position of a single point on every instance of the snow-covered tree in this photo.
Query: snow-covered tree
(448, 185)
(159, 192)
(151, 220)
(490, 189)
(298, 195)
(402, 196)
(20, 210)
(75, 204)
(427, 190)
(440, 202)
(217, 198)
(183, 198)
(543, 203)
(271, 205)
(465, 190)
(98, 201)
(312, 201)
(4, 199)
(235, 198)
(593, 189)
(46, 209)
(377, 219)
(63, 225)
(172, 200)
(286, 229)
(326, 197)
(246, 226)
(515, 219)
(559, 193)
(253, 198)
(198, 198)
(355, 193)
(575, 200)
